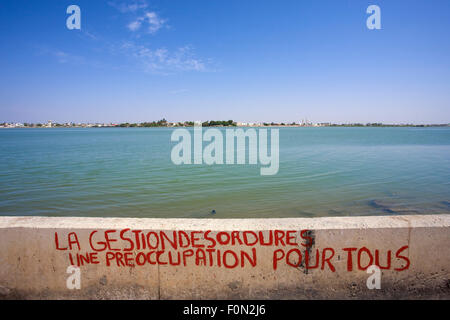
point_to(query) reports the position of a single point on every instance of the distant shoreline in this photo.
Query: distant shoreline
(235, 126)
(163, 123)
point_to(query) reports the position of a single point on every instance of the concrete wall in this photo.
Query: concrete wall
(35, 253)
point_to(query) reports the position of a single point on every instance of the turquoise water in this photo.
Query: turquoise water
(127, 172)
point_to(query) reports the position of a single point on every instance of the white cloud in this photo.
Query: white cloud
(153, 60)
(163, 61)
(135, 25)
(151, 20)
(154, 22)
(129, 7)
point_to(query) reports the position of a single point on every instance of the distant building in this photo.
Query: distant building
(307, 123)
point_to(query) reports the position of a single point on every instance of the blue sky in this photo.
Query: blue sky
(247, 60)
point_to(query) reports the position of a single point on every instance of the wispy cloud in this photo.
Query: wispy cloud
(68, 58)
(131, 6)
(146, 20)
(158, 61)
(62, 56)
(150, 21)
(155, 59)
(135, 25)
(90, 35)
(163, 61)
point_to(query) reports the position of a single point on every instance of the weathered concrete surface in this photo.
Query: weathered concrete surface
(32, 267)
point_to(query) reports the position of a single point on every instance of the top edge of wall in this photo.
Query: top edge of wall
(360, 222)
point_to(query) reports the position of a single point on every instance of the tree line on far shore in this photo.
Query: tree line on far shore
(164, 123)
(211, 123)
